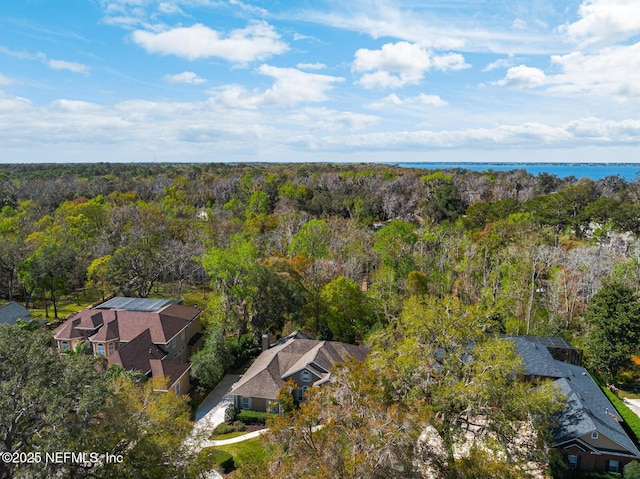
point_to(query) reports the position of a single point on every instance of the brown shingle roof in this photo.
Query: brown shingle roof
(136, 354)
(292, 354)
(168, 369)
(163, 324)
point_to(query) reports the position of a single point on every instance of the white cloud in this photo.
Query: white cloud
(604, 21)
(257, 41)
(71, 66)
(291, 87)
(611, 72)
(311, 66)
(499, 63)
(184, 77)
(394, 100)
(324, 119)
(4, 80)
(523, 76)
(402, 63)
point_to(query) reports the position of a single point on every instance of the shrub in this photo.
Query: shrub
(632, 470)
(238, 426)
(254, 417)
(231, 413)
(223, 429)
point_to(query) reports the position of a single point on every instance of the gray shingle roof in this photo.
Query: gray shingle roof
(587, 408)
(12, 312)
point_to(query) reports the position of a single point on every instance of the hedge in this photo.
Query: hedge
(632, 421)
(254, 417)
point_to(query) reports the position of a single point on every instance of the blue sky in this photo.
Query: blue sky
(356, 81)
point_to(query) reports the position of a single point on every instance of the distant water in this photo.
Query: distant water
(594, 171)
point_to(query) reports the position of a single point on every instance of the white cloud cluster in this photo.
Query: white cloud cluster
(189, 78)
(290, 88)
(257, 41)
(394, 100)
(523, 76)
(70, 66)
(604, 21)
(398, 64)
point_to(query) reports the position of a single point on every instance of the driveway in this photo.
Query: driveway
(211, 412)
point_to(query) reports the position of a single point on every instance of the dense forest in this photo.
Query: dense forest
(354, 253)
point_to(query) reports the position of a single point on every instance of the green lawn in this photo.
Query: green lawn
(229, 435)
(250, 451)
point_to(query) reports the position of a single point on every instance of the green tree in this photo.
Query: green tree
(347, 311)
(444, 353)
(614, 331)
(43, 408)
(209, 365)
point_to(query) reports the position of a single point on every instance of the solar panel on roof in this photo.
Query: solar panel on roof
(135, 304)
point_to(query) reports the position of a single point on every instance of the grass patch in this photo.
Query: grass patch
(251, 451)
(212, 458)
(228, 435)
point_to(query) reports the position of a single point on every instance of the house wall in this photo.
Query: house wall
(181, 342)
(185, 384)
(297, 378)
(602, 442)
(593, 462)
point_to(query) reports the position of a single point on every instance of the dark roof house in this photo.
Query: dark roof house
(589, 433)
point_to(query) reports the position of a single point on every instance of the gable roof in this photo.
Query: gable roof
(587, 408)
(171, 370)
(288, 356)
(12, 312)
(137, 354)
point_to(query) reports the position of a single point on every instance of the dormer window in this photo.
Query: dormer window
(594, 435)
(305, 376)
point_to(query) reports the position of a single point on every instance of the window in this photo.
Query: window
(613, 466)
(100, 349)
(177, 388)
(301, 392)
(112, 348)
(305, 376)
(594, 435)
(182, 335)
(573, 461)
(245, 403)
(64, 346)
(173, 343)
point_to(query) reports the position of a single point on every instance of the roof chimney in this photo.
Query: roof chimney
(266, 341)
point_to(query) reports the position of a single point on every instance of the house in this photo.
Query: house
(12, 312)
(154, 336)
(589, 433)
(298, 357)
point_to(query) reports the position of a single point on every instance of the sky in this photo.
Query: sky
(322, 80)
